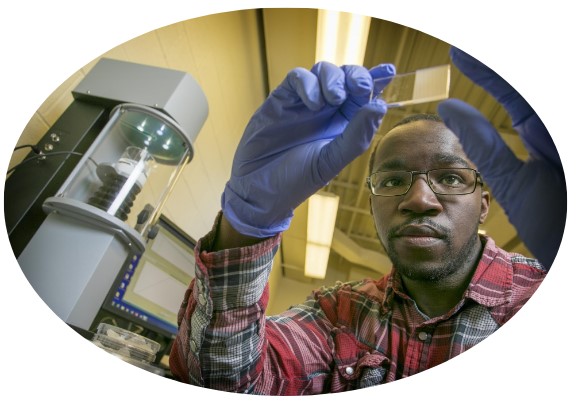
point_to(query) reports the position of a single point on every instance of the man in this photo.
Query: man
(449, 287)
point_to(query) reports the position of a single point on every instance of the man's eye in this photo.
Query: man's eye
(451, 180)
(392, 182)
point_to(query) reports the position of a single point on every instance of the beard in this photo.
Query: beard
(449, 263)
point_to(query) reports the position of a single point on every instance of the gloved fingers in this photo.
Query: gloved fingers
(301, 85)
(538, 141)
(382, 75)
(355, 139)
(332, 82)
(359, 86)
(359, 83)
(495, 85)
(535, 136)
(480, 140)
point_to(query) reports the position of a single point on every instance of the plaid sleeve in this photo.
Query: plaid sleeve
(226, 342)
(219, 342)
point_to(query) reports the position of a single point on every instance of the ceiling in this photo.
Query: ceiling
(356, 250)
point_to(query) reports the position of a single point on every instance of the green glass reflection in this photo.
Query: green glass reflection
(159, 138)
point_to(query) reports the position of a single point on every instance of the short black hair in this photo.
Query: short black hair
(418, 117)
(406, 120)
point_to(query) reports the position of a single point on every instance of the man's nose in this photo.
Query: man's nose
(420, 198)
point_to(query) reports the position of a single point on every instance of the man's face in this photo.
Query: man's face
(427, 236)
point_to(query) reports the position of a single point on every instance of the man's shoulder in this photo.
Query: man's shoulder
(518, 261)
(507, 281)
(521, 261)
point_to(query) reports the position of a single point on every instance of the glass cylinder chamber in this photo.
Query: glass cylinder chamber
(123, 180)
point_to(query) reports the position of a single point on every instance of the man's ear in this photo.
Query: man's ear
(485, 203)
(371, 204)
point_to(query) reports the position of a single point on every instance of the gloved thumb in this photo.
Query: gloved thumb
(382, 75)
(482, 144)
(495, 85)
(355, 139)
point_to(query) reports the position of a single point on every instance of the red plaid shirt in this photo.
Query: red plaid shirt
(349, 336)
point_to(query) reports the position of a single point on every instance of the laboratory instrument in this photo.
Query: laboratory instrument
(90, 204)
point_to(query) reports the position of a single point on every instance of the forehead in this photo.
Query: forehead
(420, 145)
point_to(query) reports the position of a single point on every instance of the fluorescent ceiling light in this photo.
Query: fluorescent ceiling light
(316, 261)
(341, 37)
(321, 218)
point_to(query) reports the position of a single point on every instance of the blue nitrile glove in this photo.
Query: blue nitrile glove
(308, 129)
(533, 192)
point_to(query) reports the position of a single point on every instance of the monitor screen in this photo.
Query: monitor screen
(150, 290)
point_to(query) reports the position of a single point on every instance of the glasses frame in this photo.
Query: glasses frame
(478, 181)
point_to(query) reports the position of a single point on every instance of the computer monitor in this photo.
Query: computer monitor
(150, 290)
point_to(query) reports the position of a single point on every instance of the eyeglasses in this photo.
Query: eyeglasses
(442, 181)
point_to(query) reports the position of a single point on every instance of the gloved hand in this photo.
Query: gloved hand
(308, 129)
(533, 192)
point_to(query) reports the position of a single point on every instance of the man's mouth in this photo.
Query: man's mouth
(419, 235)
(418, 230)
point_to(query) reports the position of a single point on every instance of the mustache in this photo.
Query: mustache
(442, 231)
